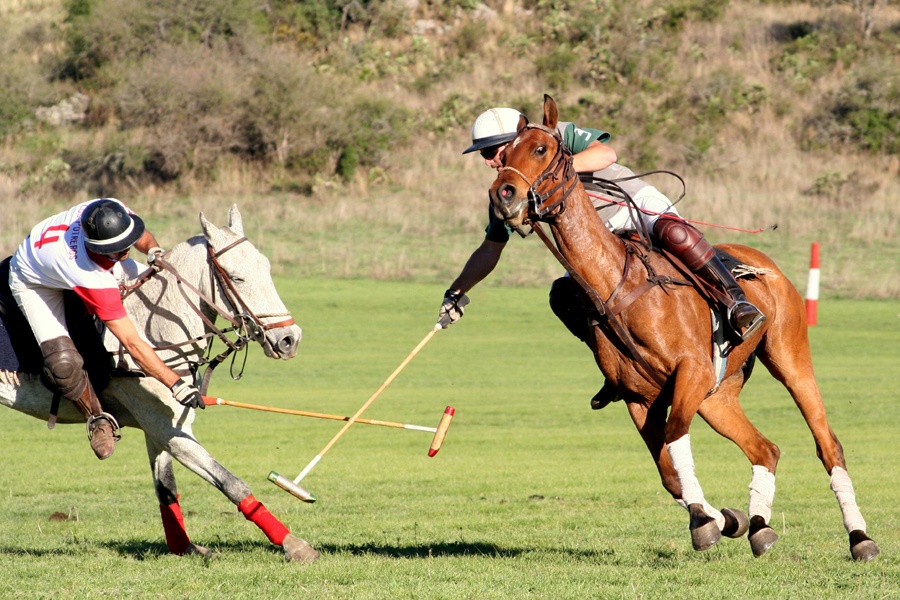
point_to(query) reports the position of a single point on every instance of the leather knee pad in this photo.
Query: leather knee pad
(684, 241)
(567, 303)
(64, 367)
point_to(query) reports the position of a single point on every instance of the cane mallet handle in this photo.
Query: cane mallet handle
(273, 476)
(441, 432)
(213, 401)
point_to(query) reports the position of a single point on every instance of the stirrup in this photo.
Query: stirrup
(116, 430)
(752, 327)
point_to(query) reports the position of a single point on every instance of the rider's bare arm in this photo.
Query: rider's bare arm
(595, 157)
(479, 265)
(146, 242)
(141, 352)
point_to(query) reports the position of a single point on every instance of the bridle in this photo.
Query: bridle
(245, 323)
(540, 205)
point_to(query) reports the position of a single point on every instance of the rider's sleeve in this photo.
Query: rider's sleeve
(106, 303)
(496, 230)
(577, 139)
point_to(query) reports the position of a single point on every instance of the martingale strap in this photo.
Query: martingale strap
(611, 316)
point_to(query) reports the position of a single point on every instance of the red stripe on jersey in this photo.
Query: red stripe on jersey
(106, 303)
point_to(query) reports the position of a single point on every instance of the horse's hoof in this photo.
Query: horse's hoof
(862, 547)
(762, 537)
(704, 531)
(736, 523)
(194, 549)
(297, 550)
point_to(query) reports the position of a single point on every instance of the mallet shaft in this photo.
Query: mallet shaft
(368, 402)
(211, 401)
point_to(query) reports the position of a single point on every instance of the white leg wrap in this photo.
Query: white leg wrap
(691, 492)
(762, 492)
(710, 510)
(843, 491)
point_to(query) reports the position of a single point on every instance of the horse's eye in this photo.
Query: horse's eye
(540, 150)
(236, 279)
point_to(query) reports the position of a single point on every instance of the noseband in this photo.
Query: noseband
(540, 205)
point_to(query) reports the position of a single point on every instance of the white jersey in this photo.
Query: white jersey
(53, 256)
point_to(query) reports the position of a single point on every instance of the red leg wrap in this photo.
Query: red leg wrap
(173, 523)
(254, 511)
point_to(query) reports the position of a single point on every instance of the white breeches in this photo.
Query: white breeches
(652, 203)
(42, 306)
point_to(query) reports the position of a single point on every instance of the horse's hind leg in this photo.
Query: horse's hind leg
(170, 510)
(724, 414)
(787, 357)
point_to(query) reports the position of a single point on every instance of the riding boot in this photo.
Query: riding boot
(568, 305)
(687, 243)
(64, 373)
(744, 317)
(102, 428)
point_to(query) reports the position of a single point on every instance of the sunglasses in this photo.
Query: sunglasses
(490, 152)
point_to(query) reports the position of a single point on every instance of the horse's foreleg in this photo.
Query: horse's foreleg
(650, 422)
(690, 386)
(177, 538)
(724, 414)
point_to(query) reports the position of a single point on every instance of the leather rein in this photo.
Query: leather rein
(242, 318)
(540, 207)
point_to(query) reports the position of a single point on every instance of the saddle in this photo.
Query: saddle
(19, 351)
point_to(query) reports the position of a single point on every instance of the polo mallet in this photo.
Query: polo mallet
(212, 401)
(294, 488)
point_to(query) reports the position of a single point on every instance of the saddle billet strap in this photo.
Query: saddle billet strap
(54, 410)
(611, 320)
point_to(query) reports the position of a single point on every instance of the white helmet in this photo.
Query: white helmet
(494, 127)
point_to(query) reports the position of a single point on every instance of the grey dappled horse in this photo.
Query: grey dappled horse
(218, 273)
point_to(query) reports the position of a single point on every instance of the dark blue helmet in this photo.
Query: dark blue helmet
(109, 228)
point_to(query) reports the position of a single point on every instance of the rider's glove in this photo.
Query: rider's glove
(188, 395)
(154, 253)
(452, 308)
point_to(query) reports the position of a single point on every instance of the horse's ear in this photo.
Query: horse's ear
(211, 231)
(522, 123)
(551, 113)
(234, 220)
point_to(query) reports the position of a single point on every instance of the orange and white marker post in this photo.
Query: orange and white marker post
(812, 286)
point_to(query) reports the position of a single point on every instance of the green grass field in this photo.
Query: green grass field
(532, 496)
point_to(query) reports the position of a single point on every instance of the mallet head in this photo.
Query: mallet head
(291, 487)
(442, 428)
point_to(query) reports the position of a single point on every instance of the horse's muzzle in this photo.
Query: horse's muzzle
(283, 342)
(506, 201)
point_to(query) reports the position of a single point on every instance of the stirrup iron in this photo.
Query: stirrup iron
(116, 430)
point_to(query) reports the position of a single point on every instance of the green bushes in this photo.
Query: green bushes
(864, 112)
(300, 91)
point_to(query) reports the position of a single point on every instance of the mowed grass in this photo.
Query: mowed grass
(533, 495)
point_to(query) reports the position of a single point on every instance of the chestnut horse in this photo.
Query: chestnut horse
(662, 364)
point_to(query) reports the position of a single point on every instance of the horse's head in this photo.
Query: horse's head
(246, 288)
(536, 171)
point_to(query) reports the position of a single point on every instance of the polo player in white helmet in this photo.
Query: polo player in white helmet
(593, 158)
